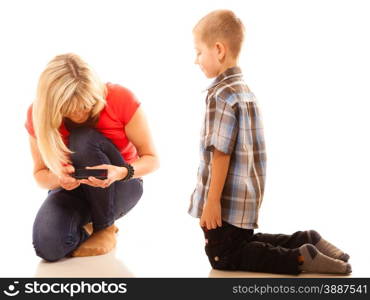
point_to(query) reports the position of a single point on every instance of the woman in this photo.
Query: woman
(77, 121)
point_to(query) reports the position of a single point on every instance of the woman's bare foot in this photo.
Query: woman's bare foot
(100, 242)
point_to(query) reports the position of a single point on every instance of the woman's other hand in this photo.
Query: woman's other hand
(115, 173)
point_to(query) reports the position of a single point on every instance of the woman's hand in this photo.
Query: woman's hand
(66, 181)
(114, 173)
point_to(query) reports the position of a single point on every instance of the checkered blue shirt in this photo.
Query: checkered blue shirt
(232, 125)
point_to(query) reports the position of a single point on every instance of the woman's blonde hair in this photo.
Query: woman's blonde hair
(67, 85)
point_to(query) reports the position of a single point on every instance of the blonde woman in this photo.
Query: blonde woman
(75, 122)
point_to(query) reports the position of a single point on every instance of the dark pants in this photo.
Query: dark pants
(57, 229)
(233, 248)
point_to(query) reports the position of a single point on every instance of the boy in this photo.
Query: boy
(231, 176)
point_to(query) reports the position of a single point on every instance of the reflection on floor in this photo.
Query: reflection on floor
(100, 266)
(109, 266)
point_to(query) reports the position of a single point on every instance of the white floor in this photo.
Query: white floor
(144, 249)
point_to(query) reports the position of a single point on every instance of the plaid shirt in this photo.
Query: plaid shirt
(233, 126)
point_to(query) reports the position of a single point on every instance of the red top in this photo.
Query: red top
(121, 106)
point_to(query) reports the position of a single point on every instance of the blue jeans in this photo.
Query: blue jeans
(58, 227)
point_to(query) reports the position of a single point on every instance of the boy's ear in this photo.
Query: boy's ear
(221, 51)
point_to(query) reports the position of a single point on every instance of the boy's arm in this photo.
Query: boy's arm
(211, 216)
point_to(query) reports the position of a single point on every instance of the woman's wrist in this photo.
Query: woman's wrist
(46, 179)
(122, 173)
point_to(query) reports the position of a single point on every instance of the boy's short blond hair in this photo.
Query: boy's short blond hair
(221, 26)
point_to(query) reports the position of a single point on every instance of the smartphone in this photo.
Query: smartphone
(86, 173)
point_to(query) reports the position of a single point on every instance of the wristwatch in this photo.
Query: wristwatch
(130, 171)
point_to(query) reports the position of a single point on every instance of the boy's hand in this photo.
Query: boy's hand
(211, 216)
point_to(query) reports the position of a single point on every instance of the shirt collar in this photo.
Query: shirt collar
(229, 73)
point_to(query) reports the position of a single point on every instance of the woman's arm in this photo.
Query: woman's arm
(41, 173)
(138, 132)
(47, 179)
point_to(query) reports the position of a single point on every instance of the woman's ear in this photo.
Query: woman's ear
(221, 51)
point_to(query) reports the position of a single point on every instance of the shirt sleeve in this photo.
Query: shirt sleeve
(29, 123)
(221, 126)
(125, 103)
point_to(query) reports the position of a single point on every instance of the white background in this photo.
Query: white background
(306, 61)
